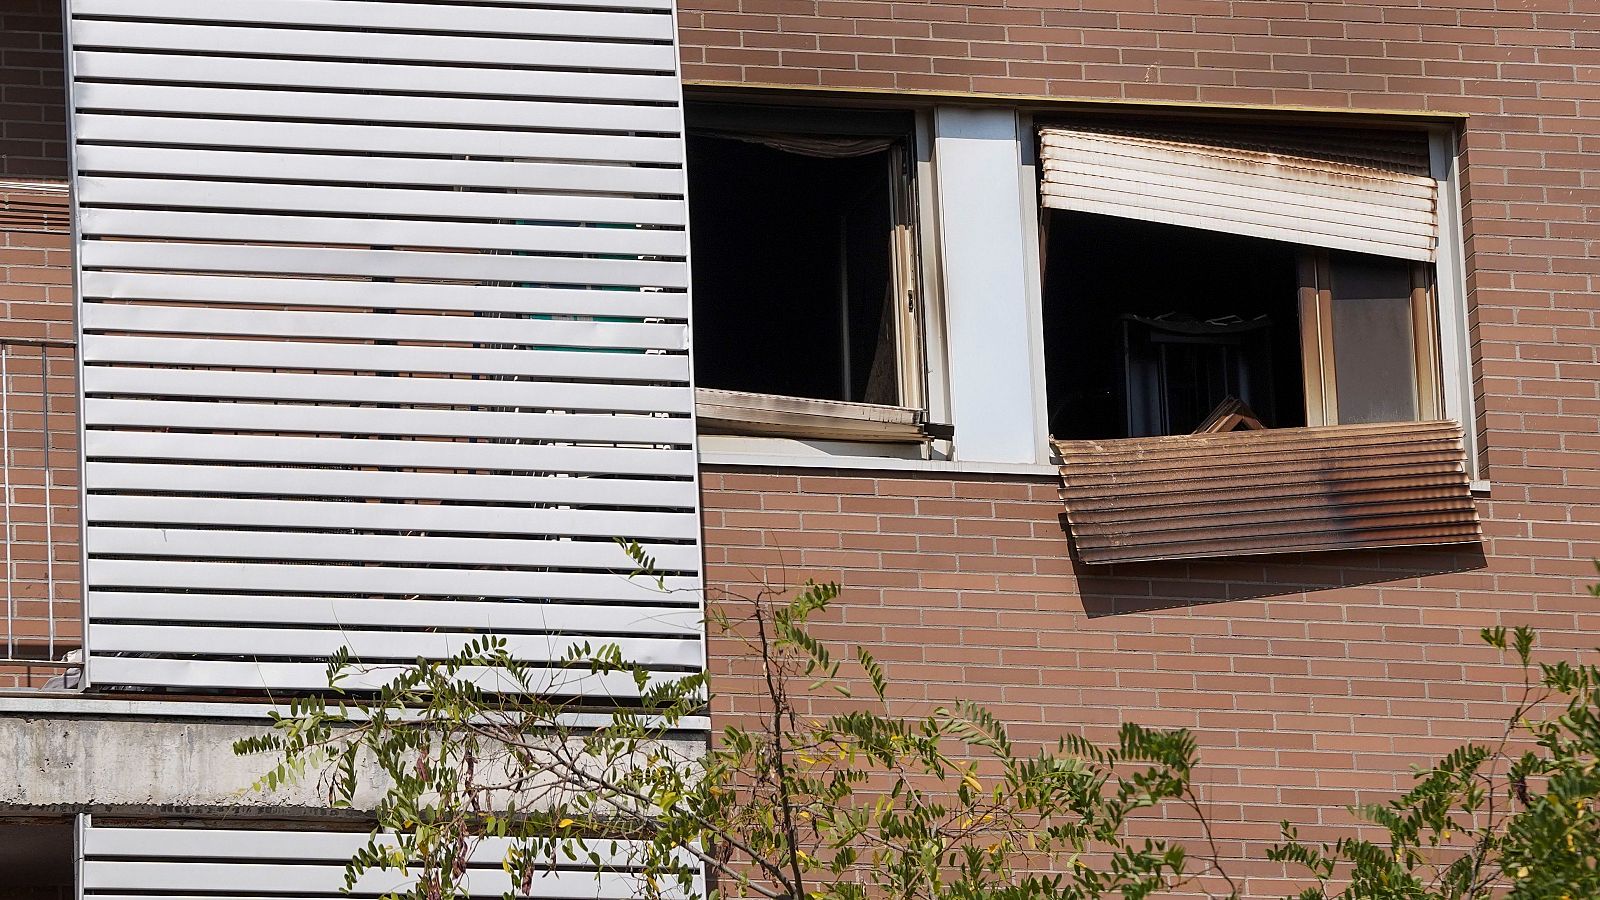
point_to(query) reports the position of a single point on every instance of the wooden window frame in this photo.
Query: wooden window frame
(721, 411)
(1316, 340)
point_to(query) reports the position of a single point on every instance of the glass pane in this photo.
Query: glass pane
(1374, 355)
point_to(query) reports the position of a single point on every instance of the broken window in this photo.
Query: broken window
(1184, 271)
(1243, 342)
(804, 275)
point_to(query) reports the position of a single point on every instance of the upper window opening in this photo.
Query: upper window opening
(804, 275)
(1283, 273)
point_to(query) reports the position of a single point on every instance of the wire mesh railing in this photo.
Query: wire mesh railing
(41, 632)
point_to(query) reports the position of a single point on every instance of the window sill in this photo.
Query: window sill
(784, 453)
(767, 415)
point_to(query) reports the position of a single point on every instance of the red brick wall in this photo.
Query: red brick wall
(38, 514)
(1313, 681)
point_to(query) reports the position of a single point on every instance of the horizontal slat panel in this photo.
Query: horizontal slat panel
(209, 544)
(442, 582)
(222, 290)
(238, 258)
(369, 646)
(376, 201)
(292, 846)
(391, 485)
(625, 240)
(402, 453)
(285, 513)
(370, 357)
(369, 326)
(1290, 195)
(256, 676)
(631, 429)
(437, 48)
(227, 864)
(362, 76)
(389, 189)
(485, 20)
(443, 173)
(463, 112)
(495, 617)
(1275, 491)
(377, 389)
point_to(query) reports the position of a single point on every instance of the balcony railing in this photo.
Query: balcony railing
(41, 632)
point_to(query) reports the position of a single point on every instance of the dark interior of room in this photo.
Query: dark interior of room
(1139, 315)
(792, 265)
(36, 860)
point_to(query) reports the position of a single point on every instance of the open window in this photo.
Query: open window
(805, 274)
(1243, 340)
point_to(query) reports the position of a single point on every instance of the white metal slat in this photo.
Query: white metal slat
(437, 48)
(430, 518)
(195, 351)
(442, 173)
(433, 518)
(255, 676)
(287, 417)
(304, 846)
(226, 290)
(212, 383)
(494, 617)
(399, 453)
(250, 480)
(242, 258)
(230, 195)
(168, 225)
(325, 547)
(440, 581)
(462, 112)
(485, 20)
(386, 139)
(362, 76)
(372, 646)
(384, 326)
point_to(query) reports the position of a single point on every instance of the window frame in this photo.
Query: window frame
(749, 414)
(1448, 364)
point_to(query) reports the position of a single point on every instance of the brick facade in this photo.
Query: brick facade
(1313, 681)
(40, 407)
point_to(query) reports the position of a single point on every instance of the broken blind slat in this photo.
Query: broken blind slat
(153, 862)
(1364, 192)
(384, 318)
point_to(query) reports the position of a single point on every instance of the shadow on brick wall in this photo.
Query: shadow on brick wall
(1125, 588)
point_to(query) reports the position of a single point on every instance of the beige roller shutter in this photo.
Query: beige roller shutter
(1365, 191)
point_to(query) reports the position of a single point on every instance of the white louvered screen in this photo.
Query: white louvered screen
(154, 863)
(1369, 192)
(384, 329)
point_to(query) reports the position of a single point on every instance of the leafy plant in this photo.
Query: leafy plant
(861, 801)
(1516, 818)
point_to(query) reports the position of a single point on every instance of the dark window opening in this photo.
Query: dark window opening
(1149, 328)
(797, 274)
(38, 860)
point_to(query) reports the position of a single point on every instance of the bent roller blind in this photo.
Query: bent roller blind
(384, 331)
(155, 863)
(1365, 191)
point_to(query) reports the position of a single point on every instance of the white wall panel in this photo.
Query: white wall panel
(153, 862)
(991, 308)
(384, 328)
